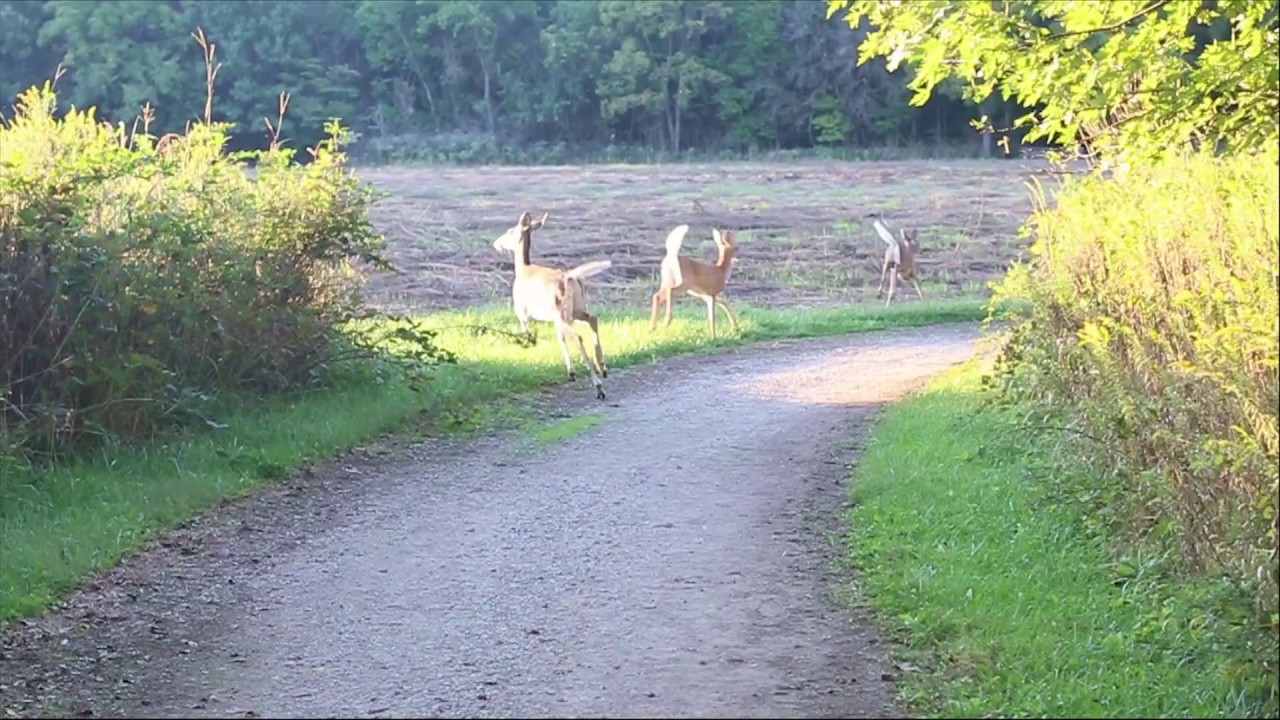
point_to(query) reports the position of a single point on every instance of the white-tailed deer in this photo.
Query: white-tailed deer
(698, 278)
(899, 259)
(552, 295)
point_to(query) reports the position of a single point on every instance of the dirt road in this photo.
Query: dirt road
(676, 560)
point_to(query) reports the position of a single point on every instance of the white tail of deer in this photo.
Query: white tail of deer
(899, 259)
(698, 278)
(552, 295)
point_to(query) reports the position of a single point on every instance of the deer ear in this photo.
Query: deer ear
(525, 219)
(715, 235)
(543, 220)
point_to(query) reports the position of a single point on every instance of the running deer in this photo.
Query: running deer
(552, 295)
(698, 278)
(899, 259)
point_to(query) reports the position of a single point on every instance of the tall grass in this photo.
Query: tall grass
(1152, 335)
(138, 284)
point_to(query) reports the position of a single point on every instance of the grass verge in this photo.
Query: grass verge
(1006, 602)
(60, 525)
(543, 434)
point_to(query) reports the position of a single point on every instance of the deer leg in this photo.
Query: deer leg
(733, 324)
(918, 292)
(594, 322)
(711, 315)
(595, 378)
(653, 318)
(667, 297)
(522, 315)
(884, 270)
(893, 280)
(561, 329)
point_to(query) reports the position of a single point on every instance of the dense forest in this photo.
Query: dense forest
(479, 79)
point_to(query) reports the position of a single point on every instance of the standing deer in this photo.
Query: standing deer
(698, 278)
(899, 259)
(552, 295)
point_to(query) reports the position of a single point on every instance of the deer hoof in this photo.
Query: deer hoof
(604, 373)
(599, 393)
(573, 376)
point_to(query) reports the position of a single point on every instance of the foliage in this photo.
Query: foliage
(1153, 331)
(521, 76)
(1129, 77)
(1007, 596)
(137, 284)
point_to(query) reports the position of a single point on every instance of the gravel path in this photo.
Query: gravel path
(676, 560)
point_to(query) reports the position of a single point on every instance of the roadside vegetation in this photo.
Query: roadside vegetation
(1091, 528)
(1006, 593)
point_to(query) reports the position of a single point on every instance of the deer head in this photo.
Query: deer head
(518, 234)
(910, 240)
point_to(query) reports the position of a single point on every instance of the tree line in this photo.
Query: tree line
(670, 76)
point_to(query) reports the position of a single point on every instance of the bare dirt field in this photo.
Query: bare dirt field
(804, 229)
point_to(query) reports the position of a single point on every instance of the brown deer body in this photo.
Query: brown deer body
(552, 295)
(698, 278)
(899, 260)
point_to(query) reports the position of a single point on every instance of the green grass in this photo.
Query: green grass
(544, 434)
(59, 526)
(1006, 602)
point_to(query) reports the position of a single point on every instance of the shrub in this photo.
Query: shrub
(135, 286)
(1153, 330)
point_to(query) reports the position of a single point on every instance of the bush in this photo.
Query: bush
(136, 285)
(1153, 331)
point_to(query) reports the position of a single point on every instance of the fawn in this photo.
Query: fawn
(698, 278)
(552, 295)
(899, 259)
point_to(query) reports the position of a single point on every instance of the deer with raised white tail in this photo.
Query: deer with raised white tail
(553, 295)
(899, 259)
(698, 278)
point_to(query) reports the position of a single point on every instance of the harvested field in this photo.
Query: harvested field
(803, 229)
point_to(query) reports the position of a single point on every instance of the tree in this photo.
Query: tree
(22, 60)
(472, 80)
(122, 55)
(571, 71)
(479, 26)
(1129, 79)
(658, 69)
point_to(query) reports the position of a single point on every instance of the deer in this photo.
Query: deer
(899, 259)
(698, 278)
(548, 294)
